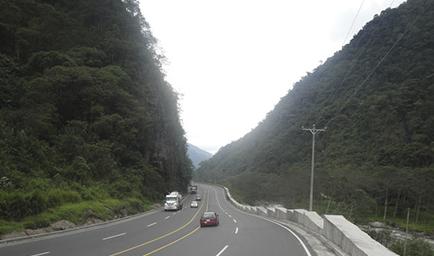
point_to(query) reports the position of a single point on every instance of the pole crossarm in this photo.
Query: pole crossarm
(314, 131)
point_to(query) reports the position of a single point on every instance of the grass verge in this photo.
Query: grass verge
(77, 213)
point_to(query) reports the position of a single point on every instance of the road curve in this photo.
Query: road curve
(174, 234)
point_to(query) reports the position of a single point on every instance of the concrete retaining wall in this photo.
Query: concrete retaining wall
(271, 212)
(351, 238)
(334, 228)
(281, 212)
(313, 221)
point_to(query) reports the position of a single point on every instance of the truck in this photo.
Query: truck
(173, 201)
(193, 189)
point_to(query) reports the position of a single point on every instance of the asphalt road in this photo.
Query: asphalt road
(174, 234)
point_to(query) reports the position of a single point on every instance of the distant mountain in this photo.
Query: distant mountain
(376, 96)
(197, 155)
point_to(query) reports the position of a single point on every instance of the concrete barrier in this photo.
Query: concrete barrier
(334, 228)
(261, 211)
(313, 222)
(298, 215)
(281, 213)
(352, 239)
(271, 212)
(290, 214)
(253, 210)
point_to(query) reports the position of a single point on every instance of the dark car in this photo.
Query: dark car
(198, 198)
(209, 219)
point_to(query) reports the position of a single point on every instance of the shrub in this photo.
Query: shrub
(57, 197)
(415, 247)
(17, 205)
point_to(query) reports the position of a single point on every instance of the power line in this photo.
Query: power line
(376, 66)
(349, 30)
(354, 21)
(359, 54)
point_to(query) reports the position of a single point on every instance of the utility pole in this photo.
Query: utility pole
(314, 131)
(406, 231)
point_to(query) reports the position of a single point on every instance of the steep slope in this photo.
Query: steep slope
(86, 114)
(197, 155)
(376, 96)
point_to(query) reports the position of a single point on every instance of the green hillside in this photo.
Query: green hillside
(88, 125)
(376, 96)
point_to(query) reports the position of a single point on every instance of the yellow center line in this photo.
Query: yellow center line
(169, 244)
(179, 239)
(163, 236)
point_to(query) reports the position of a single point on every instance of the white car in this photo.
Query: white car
(194, 204)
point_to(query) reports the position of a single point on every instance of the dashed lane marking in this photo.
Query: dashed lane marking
(272, 221)
(222, 250)
(152, 224)
(40, 254)
(160, 237)
(236, 231)
(110, 237)
(179, 239)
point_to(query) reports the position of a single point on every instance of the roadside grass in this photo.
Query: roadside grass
(77, 213)
(425, 224)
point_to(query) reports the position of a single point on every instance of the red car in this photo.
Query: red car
(209, 219)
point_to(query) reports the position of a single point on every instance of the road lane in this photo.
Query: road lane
(89, 241)
(167, 238)
(238, 234)
(258, 237)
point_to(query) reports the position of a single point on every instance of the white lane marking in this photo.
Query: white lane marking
(152, 224)
(235, 221)
(110, 237)
(39, 254)
(222, 250)
(167, 217)
(292, 232)
(230, 216)
(272, 221)
(236, 231)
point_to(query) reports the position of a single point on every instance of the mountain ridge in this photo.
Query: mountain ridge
(197, 155)
(377, 146)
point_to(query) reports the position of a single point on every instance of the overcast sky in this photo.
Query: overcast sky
(232, 60)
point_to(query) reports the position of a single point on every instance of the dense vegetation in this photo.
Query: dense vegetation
(376, 96)
(86, 117)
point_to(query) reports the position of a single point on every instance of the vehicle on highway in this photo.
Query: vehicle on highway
(209, 219)
(198, 198)
(194, 204)
(193, 189)
(173, 201)
(177, 193)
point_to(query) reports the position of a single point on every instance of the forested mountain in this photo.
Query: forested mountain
(85, 112)
(376, 96)
(197, 155)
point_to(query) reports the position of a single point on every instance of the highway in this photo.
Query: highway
(174, 234)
